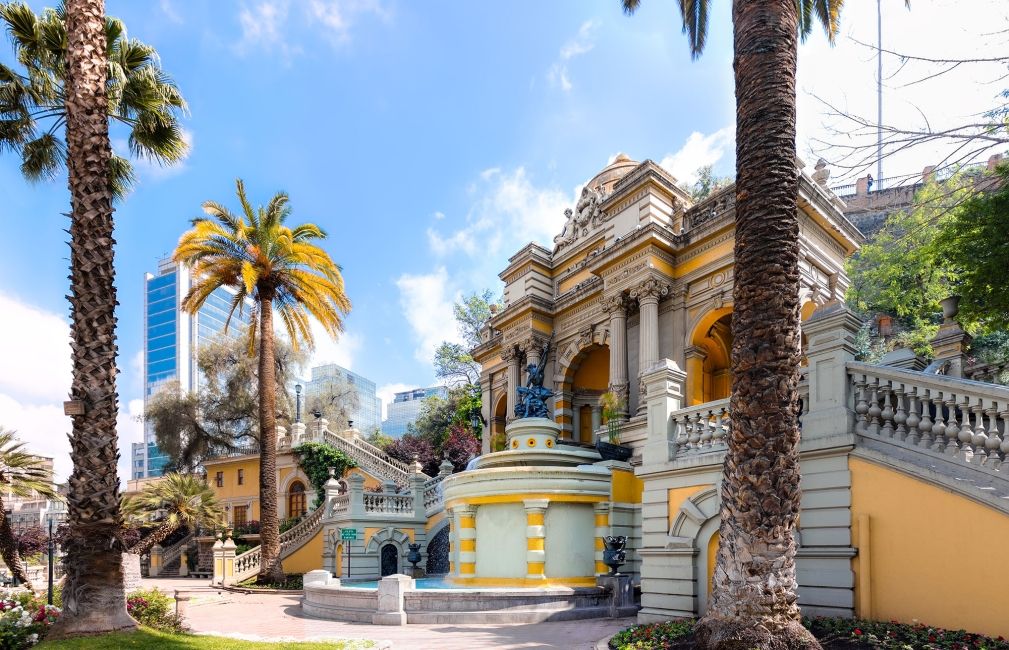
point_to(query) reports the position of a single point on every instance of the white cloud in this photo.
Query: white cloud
(388, 392)
(698, 151)
(327, 350)
(338, 16)
(35, 380)
(427, 301)
(582, 43)
(266, 24)
(168, 8)
(439, 215)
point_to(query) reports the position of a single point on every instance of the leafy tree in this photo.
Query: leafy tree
(220, 416)
(335, 399)
(316, 459)
(32, 541)
(974, 244)
(707, 183)
(33, 102)
(755, 566)
(453, 361)
(21, 475)
(187, 501)
(282, 269)
(379, 439)
(412, 445)
(460, 446)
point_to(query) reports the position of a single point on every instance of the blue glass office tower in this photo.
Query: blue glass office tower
(172, 339)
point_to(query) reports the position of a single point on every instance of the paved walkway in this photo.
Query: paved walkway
(278, 617)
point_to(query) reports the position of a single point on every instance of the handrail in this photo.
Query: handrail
(386, 468)
(247, 564)
(174, 552)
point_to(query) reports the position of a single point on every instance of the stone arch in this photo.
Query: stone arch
(437, 548)
(388, 535)
(499, 416)
(285, 490)
(708, 358)
(581, 385)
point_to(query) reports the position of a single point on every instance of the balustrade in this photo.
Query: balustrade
(388, 504)
(959, 419)
(702, 428)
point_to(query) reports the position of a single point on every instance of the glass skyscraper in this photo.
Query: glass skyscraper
(406, 407)
(172, 339)
(367, 416)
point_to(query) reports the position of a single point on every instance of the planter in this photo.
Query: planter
(614, 555)
(613, 452)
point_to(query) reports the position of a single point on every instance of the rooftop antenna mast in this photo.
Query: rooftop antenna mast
(879, 92)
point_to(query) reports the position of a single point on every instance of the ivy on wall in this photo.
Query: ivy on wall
(315, 459)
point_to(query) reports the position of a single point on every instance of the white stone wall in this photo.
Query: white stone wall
(501, 540)
(570, 540)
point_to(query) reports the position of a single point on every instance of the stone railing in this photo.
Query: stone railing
(957, 418)
(174, 552)
(992, 372)
(388, 504)
(434, 498)
(702, 428)
(339, 505)
(371, 459)
(247, 564)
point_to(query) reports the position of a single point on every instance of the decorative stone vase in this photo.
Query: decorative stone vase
(609, 451)
(614, 555)
(950, 308)
(413, 557)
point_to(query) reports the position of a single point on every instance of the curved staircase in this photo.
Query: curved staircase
(247, 564)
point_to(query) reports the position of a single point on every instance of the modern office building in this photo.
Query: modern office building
(406, 407)
(332, 381)
(172, 339)
(26, 511)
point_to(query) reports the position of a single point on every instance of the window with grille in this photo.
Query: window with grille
(220, 479)
(240, 516)
(296, 503)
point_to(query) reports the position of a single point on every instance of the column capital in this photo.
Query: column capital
(650, 290)
(463, 510)
(535, 505)
(615, 305)
(695, 351)
(511, 353)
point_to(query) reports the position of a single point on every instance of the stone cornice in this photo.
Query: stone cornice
(660, 239)
(647, 170)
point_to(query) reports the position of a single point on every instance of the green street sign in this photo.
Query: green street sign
(348, 534)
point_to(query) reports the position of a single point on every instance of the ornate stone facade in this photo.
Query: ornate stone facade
(638, 274)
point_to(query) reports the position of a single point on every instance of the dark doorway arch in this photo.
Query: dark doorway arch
(297, 504)
(389, 560)
(437, 553)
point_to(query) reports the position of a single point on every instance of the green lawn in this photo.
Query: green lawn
(145, 638)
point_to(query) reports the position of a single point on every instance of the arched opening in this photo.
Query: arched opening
(708, 374)
(499, 418)
(437, 553)
(389, 560)
(297, 504)
(586, 378)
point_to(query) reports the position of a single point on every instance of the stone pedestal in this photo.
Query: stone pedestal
(621, 595)
(390, 600)
(131, 572)
(532, 434)
(320, 577)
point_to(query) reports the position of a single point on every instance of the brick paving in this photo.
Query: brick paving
(278, 617)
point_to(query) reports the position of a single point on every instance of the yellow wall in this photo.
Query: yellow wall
(307, 558)
(935, 556)
(594, 370)
(232, 491)
(370, 482)
(434, 521)
(678, 495)
(625, 487)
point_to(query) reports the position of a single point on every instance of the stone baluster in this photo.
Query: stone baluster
(695, 431)
(706, 432)
(994, 443)
(1004, 416)
(925, 426)
(952, 428)
(979, 436)
(900, 417)
(718, 437)
(913, 417)
(938, 424)
(861, 405)
(874, 409)
(682, 424)
(886, 415)
(966, 433)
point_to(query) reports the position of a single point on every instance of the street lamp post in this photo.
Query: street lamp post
(51, 551)
(297, 393)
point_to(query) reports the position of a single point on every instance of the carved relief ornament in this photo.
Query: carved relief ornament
(650, 288)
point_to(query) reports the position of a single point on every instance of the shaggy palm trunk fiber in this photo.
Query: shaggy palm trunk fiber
(271, 570)
(94, 600)
(754, 601)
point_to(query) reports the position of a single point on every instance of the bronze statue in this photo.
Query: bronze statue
(533, 396)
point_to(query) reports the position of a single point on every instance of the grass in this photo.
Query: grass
(147, 638)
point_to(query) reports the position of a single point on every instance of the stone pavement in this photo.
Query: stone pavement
(278, 617)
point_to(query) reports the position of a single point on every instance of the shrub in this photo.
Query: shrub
(31, 541)
(654, 636)
(154, 609)
(24, 619)
(248, 528)
(289, 523)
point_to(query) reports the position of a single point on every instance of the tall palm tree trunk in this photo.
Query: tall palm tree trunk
(270, 568)
(9, 550)
(94, 600)
(754, 588)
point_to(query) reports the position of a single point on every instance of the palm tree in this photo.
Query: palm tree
(33, 104)
(186, 498)
(754, 601)
(278, 268)
(94, 600)
(21, 475)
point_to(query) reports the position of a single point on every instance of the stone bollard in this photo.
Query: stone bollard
(181, 600)
(228, 550)
(218, 551)
(621, 595)
(390, 600)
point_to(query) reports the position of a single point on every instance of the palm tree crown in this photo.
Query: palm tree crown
(185, 499)
(21, 473)
(260, 257)
(695, 19)
(33, 104)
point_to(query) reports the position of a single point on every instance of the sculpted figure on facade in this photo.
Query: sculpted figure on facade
(586, 215)
(532, 398)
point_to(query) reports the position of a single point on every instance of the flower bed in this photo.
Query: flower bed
(24, 619)
(154, 609)
(838, 633)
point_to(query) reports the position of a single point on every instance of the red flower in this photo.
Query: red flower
(931, 638)
(858, 632)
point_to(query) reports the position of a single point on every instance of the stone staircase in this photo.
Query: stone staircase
(370, 458)
(247, 564)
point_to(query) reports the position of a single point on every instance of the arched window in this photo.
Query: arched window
(296, 503)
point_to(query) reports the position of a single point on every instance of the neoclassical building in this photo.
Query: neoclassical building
(639, 273)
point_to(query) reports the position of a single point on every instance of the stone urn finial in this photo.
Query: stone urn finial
(950, 309)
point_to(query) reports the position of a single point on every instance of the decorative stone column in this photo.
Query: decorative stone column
(218, 551)
(830, 333)
(464, 519)
(514, 379)
(597, 418)
(648, 294)
(536, 554)
(487, 401)
(616, 307)
(154, 568)
(602, 523)
(576, 420)
(228, 554)
(355, 487)
(417, 488)
(695, 374)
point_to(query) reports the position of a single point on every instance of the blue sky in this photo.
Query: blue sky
(431, 140)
